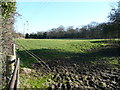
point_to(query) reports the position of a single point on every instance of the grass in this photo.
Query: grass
(69, 50)
(32, 80)
(55, 49)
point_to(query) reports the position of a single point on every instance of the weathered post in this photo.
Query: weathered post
(18, 82)
(17, 76)
(14, 50)
(14, 80)
(10, 64)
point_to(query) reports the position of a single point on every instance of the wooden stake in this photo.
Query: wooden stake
(10, 63)
(14, 50)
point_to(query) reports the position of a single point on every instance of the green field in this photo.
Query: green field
(68, 51)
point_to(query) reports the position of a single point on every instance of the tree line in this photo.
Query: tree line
(110, 29)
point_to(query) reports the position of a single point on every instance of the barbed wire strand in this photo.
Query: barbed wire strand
(37, 58)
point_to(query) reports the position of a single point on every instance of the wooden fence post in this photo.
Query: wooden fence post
(14, 80)
(14, 50)
(12, 70)
(10, 65)
(17, 76)
(18, 82)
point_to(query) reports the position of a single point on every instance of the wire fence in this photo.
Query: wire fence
(14, 81)
(37, 58)
(12, 70)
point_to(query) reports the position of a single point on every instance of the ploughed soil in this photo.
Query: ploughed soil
(76, 74)
(68, 75)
